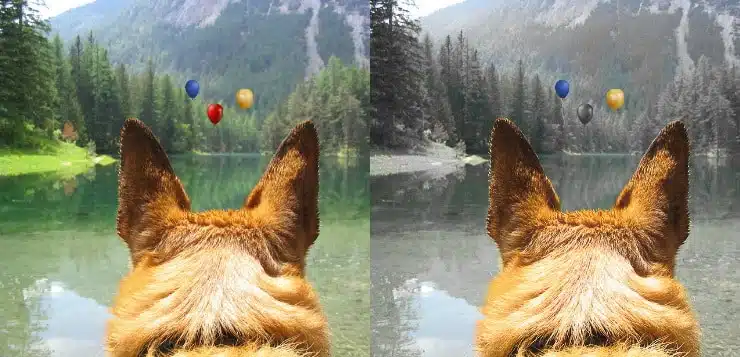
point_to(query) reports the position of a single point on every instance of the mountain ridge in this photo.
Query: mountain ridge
(640, 44)
(267, 45)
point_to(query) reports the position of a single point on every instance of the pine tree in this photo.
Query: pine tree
(68, 106)
(148, 107)
(519, 99)
(86, 86)
(167, 113)
(539, 111)
(731, 91)
(436, 102)
(189, 120)
(494, 92)
(395, 61)
(108, 105)
(448, 81)
(456, 85)
(479, 110)
(28, 76)
(559, 130)
(122, 79)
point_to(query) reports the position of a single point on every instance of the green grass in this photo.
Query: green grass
(64, 159)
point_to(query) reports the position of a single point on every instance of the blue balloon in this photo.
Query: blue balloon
(562, 88)
(192, 88)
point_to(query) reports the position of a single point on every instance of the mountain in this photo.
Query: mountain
(266, 45)
(638, 45)
(88, 16)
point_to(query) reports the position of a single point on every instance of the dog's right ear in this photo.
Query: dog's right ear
(658, 192)
(518, 187)
(288, 191)
(147, 185)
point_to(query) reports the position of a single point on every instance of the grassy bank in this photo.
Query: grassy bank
(64, 159)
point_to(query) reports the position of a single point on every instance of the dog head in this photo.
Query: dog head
(602, 277)
(279, 215)
(218, 277)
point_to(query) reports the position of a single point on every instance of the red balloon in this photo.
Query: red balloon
(215, 113)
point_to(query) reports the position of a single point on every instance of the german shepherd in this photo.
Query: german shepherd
(225, 283)
(587, 283)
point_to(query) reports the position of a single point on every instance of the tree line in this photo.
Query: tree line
(446, 93)
(74, 93)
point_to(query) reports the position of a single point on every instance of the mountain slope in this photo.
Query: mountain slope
(85, 17)
(265, 45)
(634, 44)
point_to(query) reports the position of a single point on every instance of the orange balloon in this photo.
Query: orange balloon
(244, 98)
(615, 98)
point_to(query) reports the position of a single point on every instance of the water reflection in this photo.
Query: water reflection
(432, 260)
(62, 260)
(65, 308)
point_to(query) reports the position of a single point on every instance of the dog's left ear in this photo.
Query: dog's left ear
(659, 189)
(289, 188)
(147, 185)
(519, 191)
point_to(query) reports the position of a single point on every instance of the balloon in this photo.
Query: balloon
(215, 113)
(562, 88)
(192, 88)
(585, 113)
(244, 98)
(615, 98)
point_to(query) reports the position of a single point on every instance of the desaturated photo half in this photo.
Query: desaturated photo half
(184, 178)
(554, 178)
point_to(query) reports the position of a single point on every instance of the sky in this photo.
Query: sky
(56, 7)
(426, 7)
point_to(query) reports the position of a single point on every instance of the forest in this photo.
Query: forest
(73, 92)
(446, 93)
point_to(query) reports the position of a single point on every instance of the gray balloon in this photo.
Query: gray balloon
(585, 113)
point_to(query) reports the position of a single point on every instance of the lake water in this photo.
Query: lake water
(431, 259)
(62, 261)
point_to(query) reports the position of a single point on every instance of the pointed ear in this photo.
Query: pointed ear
(518, 187)
(659, 188)
(289, 188)
(147, 186)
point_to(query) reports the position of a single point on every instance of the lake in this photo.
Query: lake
(62, 260)
(431, 259)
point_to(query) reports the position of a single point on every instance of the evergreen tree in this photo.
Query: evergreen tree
(731, 91)
(122, 79)
(519, 99)
(558, 122)
(448, 78)
(436, 103)
(479, 110)
(148, 106)
(494, 92)
(68, 107)
(29, 96)
(188, 119)
(538, 117)
(395, 61)
(457, 84)
(108, 105)
(167, 113)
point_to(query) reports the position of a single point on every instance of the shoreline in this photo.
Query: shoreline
(432, 158)
(63, 160)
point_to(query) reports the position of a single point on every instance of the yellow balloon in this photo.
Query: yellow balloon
(615, 98)
(244, 98)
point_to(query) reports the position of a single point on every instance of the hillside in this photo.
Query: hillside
(266, 45)
(638, 45)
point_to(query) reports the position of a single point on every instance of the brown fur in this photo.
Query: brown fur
(202, 279)
(587, 283)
